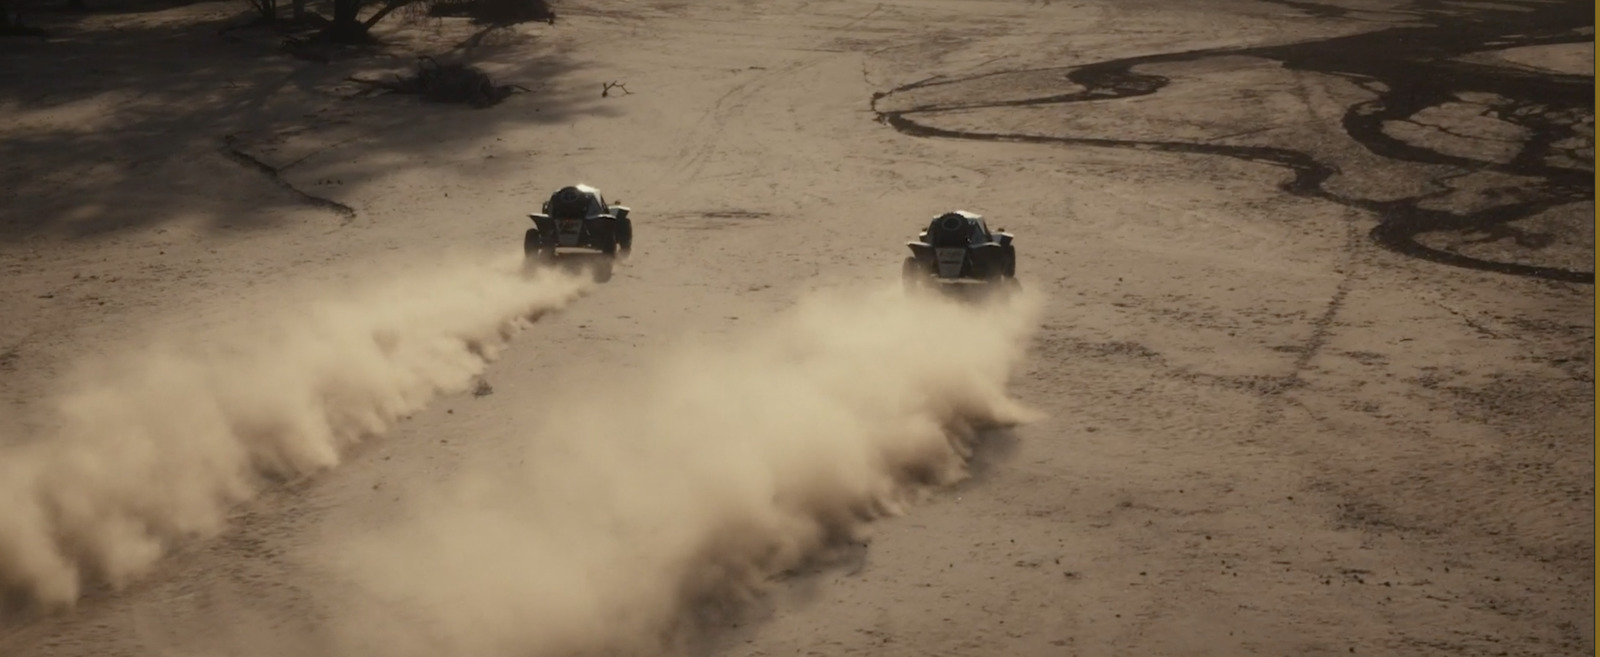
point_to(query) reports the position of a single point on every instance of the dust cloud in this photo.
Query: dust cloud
(153, 446)
(630, 517)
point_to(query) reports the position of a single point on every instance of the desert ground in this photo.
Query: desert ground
(1303, 362)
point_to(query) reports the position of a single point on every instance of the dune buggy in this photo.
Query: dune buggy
(959, 247)
(577, 216)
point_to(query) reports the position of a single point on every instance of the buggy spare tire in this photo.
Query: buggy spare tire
(949, 230)
(569, 203)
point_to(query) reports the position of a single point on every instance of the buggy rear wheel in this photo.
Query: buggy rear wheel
(533, 248)
(530, 243)
(606, 240)
(624, 236)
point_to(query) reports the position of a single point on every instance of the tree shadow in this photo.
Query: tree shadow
(66, 11)
(118, 122)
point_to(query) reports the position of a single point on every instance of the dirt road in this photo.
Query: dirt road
(1305, 365)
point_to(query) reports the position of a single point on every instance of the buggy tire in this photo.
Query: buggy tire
(530, 243)
(533, 247)
(624, 236)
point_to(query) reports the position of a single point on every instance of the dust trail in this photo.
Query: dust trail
(634, 514)
(154, 446)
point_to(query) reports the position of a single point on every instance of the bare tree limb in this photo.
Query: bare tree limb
(393, 5)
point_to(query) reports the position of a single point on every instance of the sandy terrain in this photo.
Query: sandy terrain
(1304, 363)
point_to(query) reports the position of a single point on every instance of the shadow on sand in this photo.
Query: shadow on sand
(131, 113)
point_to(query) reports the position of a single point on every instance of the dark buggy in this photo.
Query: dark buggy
(577, 216)
(958, 247)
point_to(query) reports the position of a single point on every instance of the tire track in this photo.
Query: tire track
(271, 172)
(711, 126)
(1409, 70)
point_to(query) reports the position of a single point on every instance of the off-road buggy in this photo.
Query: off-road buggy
(959, 247)
(577, 216)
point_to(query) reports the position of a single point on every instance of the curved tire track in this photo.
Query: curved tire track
(1412, 64)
